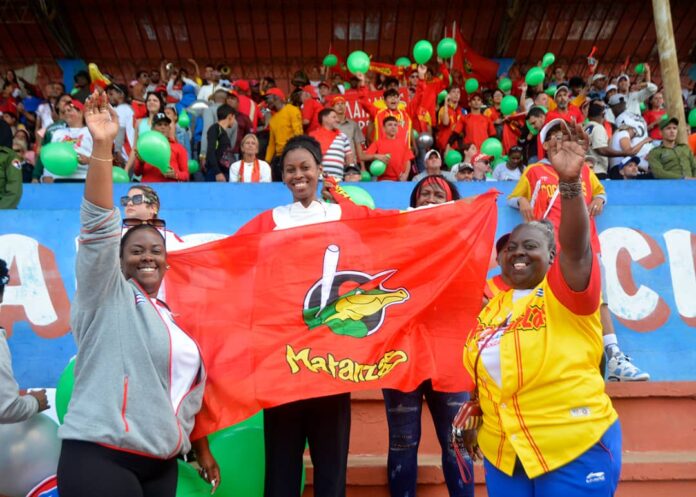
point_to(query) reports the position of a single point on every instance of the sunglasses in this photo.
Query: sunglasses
(132, 222)
(136, 199)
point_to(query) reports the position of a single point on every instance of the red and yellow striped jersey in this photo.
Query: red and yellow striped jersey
(551, 406)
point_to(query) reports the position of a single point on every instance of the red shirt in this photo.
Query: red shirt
(310, 112)
(400, 154)
(652, 116)
(178, 161)
(571, 112)
(249, 108)
(476, 127)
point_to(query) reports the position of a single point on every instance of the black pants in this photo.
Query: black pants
(87, 469)
(325, 423)
(276, 169)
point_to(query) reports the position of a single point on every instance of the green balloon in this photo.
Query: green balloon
(377, 168)
(415, 134)
(189, 483)
(365, 176)
(532, 129)
(508, 105)
(535, 76)
(492, 146)
(551, 91)
(452, 157)
(184, 119)
(643, 107)
(403, 62)
(692, 118)
(153, 147)
(64, 389)
(346, 85)
(441, 97)
(359, 196)
(119, 175)
(640, 68)
(330, 60)
(422, 51)
(505, 84)
(547, 60)
(74, 91)
(193, 166)
(471, 85)
(358, 62)
(446, 48)
(59, 158)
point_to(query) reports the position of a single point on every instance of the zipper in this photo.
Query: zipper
(124, 405)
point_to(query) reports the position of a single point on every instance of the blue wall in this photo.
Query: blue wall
(638, 215)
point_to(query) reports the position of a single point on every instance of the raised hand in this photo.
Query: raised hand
(567, 154)
(101, 118)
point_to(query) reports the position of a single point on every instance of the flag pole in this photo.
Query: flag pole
(454, 27)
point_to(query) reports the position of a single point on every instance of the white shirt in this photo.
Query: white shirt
(126, 121)
(293, 215)
(598, 139)
(490, 356)
(502, 173)
(264, 172)
(82, 142)
(186, 359)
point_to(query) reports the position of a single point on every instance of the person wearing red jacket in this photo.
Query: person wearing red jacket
(564, 109)
(178, 161)
(310, 109)
(475, 127)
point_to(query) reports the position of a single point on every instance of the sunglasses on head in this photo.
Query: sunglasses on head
(132, 222)
(136, 199)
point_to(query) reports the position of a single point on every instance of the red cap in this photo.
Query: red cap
(277, 92)
(311, 90)
(78, 105)
(336, 98)
(479, 157)
(242, 84)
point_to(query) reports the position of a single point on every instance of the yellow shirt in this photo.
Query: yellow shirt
(284, 124)
(551, 406)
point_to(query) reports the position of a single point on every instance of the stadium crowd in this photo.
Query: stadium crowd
(236, 128)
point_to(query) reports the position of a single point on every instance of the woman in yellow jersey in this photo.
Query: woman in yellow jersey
(547, 428)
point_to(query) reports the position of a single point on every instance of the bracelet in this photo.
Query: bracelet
(100, 159)
(570, 190)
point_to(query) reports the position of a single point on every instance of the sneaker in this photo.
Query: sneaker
(620, 368)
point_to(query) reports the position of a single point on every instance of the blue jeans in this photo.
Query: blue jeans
(595, 472)
(404, 419)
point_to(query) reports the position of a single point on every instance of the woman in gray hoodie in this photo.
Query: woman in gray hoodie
(139, 377)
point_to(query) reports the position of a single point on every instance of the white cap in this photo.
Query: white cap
(598, 76)
(623, 76)
(616, 99)
(552, 123)
(612, 87)
(431, 152)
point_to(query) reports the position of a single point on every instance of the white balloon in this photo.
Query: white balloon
(29, 453)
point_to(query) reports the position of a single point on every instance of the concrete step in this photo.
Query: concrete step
(644, 474)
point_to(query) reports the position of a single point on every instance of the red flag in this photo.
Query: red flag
(334, 307)
(471, 64)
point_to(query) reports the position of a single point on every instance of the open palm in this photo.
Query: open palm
(101, 118)
(568, 156)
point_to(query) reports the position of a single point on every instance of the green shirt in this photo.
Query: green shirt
(672, 163)
(10, 179)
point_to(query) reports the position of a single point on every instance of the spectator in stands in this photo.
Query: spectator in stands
(154, 104)
(448, 116)
(391, 150)
(6, 134)
(76, 133)
(181, 135)
(10, 179)
(80, 90)
(335, 146)
(352, 174)
(564, 109)
(482, 167)
(464, 171)
(494, 114)
(250, 169)
(599, 140)
(599, 88)
(141, 86)
(348, 127)
(635, 98)
(324, 90)
(46, 112)
(511, 170)
(212, 78)
(220, 94)
(629, 168)
(178, 161)
(654, 114)
(559, 77)
(392, 100)
(285, 124)
(19, 147)
(433, 167)
(125, 140)
(474, 126)
(528, 139)
(671, 160)
(244, 124)
(15, 405)
(10, 116)
(246, 105)
(310, 109)
(626, 143)
(219, 153)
